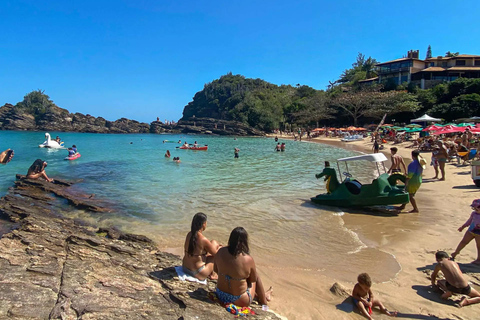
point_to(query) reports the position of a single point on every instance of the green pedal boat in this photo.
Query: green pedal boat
(383, 191)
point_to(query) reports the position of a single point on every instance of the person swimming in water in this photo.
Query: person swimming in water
(167, 154)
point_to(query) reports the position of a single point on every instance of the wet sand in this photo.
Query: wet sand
(412, 238)
(403, 243)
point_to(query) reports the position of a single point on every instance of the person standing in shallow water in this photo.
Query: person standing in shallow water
(413, 181)
(397, 161)
(199, 251)
(236, 151)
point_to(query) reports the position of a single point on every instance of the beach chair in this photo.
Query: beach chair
(467, 156)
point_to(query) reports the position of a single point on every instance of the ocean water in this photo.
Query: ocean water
(266, 192)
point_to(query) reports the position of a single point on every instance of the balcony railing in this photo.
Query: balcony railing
(391, 70)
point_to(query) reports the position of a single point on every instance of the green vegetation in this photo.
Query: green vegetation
(36, 103)
(346, 101)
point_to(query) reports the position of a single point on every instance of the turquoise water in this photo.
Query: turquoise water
(266, 192)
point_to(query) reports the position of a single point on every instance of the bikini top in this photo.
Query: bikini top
(228, 278)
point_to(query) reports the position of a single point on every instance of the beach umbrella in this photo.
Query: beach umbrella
(351, 128)
(433, 127)
(464, 124)
(401, 129)
(413, 129)
(319, 129)
(413, 125)
(474, 119)
(387, 125)
(449, 129)
(426, 118)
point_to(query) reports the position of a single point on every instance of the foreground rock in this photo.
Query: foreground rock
(58, 268)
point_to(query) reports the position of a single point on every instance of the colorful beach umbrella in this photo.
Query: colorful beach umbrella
(465, 124)
(413, 129)
(433, 127)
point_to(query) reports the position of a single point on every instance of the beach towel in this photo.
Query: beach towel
(230, 307)
(185, 277)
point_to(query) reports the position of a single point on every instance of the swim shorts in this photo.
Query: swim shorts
(453, 289)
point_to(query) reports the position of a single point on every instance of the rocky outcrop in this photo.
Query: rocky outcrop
(54, 267)
(12, 118)
(58, 119)
(215, 126)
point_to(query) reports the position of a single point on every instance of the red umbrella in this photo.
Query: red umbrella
(433, 127)
(449, 129)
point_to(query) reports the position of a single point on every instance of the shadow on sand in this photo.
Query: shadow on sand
(348, 307)
(379, 211)
(467, 187)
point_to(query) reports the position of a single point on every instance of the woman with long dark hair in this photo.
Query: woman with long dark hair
(238, 281)
(37, 170)
(199, 251)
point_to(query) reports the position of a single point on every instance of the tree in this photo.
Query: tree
(391, 102)
(313, 109)
(451, 54)
(429, 52)
(362, 68)
(355, 104)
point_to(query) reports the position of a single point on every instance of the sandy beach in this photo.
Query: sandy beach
(412, 238)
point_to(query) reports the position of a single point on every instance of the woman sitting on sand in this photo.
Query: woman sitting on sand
(199, 251)
(37, 170)
(238, 281)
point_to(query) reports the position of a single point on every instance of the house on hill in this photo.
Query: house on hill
(427, 73)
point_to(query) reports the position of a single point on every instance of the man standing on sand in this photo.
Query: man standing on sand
(413, 181)
(454, 281)
(397, 160)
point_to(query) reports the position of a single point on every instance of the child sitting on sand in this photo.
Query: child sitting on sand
(473, 232)
(454, 281)
(363, 297)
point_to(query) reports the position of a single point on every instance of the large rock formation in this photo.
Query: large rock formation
(215, 126)
(58, 119)
(54, 267)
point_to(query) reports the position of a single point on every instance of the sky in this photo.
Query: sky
(144, 59)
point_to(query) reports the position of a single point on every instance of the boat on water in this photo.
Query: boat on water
(205, 148)
(355, 137)
(349, 192)
(74, 156)
(49, 143)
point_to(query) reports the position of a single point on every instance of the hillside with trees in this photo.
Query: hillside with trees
(347, 101)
